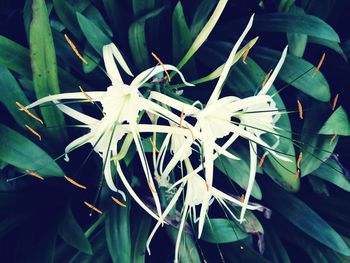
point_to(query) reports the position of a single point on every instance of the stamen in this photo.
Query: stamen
(74, 182)
(299, 159)
(33, 131)
(153, 145)
(151, 188)
(335, 102)
(266, 78)
(34, 174)
(86, 95)
(300, 108)
(297, 173)
(181, 118)
(29, 113)
(245, 55)
(118, 202)
(262, 159)
(319, 65)
(241, 199)
(93, 208)
(332, 139)
(207, 186)
(161, 63)
(74, 48)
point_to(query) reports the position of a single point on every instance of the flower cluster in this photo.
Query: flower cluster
(203, 131)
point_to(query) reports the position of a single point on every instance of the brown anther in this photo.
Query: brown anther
(161, 63)
(86, 95)
(262, 159)
(319, 65)
(241, 199)
(266, 78)
(300, 157)
(154, 146)
(245, 54)
(300, 109)
(34, 174)
(297, 173)
(29, 113)
(150, 187)
(181, 118)
(332, 139)
(335, 102)
(118, 202)
(33, 131)
(74, 182)
(74, 48)
(93, 208)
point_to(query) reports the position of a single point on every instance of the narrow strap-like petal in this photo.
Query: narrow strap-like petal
(75, 114)
(76, 144)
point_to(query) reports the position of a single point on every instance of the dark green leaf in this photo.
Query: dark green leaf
(20, 152)
(337, 123)
(296, 41)
(201, 15)
(140, 232)
(96, 17)
(275, 251)
(44, 67)
(331, 44)
(71, 232)
(220, 230)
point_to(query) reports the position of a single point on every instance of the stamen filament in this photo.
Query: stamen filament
(335, 102)
(262, 159)
(33, 131)
(181, 118)
(29, 113)
(266, 78)
(153, 145)
(93, 208)
(300, 109)
(74, 48)
(86, 95)
(34, 174)
(319, 65)
(74, 182)
(151, 188)
(161, 63)
(332, 139)
(118, 202)
(300, 157)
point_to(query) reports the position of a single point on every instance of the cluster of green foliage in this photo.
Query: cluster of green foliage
(46, 221)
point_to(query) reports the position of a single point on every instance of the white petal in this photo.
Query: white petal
(76, 144)
(108, 174)
(203, 213)
(178, 239)
(75, 114)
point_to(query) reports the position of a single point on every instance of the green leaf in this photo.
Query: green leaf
(304, 218)
(330, 44)
(66, 14)
(12, 92)
(137, 39)
(94, 35)
(285, 5)
(332, 172)
(182, 38)
(20, 152)
(296, 41)
(188, 251)
(91, 58)
(71, 232)
(220, 230)
(337, 123)
(275, 251)
(230, 167)
(96, 17)
(315, 147)
(293, 72)
(116, 17)
(201, 15)
(140, 231)
(117, 229)
(44, 68)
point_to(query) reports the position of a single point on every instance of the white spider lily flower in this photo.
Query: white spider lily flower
(121, 103)
(196, 194)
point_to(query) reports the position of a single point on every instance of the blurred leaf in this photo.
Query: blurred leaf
(220, 230)
(20, 152)
(293, 72)
(182, 38)
(118, 235)
(318, 186)
(12, 92)
(201, 15)
(137, 39)
(10, 222)
(188, 251)
(315, 148)
(337, 123)
(275, 251)
(43, 61)
(66, 14)
(140, 232)
(230, 167)
(251, 224)
(304, 218)
(93, 33)
(91, 58)
(27, 16)
(96, 17)
(332, 172)
(296, 41)
(71, 232)
(284, 5)
(331, 44)
(116, 17)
